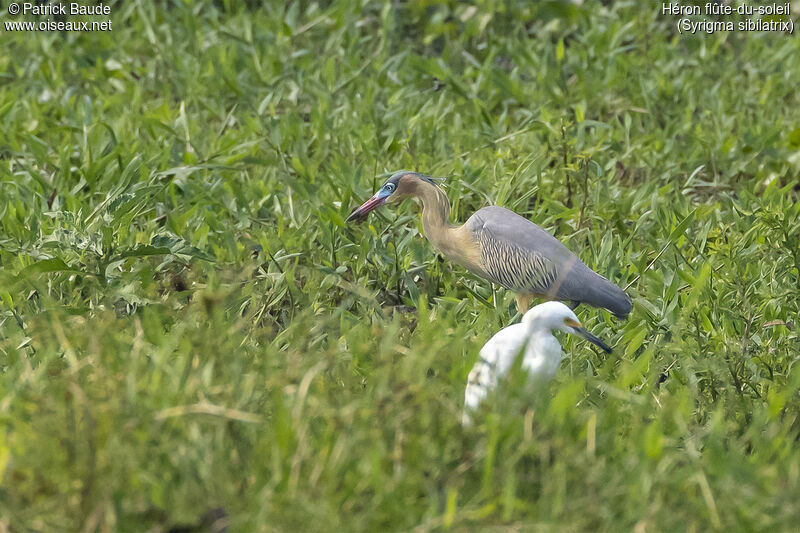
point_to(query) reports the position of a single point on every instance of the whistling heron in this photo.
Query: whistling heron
(503, 247)
(541, 356)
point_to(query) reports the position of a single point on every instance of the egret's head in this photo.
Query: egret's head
(557, 316)
(399, 186)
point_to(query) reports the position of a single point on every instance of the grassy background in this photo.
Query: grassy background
(186, 323)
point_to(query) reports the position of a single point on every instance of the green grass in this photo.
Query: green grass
(186, 322)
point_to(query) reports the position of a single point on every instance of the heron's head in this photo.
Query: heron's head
(399, 186)
(557, 316)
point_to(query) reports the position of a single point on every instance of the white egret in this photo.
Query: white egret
(541, 356)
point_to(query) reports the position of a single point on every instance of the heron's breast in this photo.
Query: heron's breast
(461, 247)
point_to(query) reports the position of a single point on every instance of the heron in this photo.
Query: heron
(501, 246)
(533, 336)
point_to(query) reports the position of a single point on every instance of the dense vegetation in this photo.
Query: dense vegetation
(187, 325)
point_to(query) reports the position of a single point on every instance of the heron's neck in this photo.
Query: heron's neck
(454, 242)
(435, 216)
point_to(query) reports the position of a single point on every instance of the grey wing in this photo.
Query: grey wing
(519, 255)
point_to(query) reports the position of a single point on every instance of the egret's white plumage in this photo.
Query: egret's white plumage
(542, 351)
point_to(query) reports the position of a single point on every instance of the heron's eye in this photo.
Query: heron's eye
(389, 187)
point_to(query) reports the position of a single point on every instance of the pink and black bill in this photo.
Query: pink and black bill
(377, 199)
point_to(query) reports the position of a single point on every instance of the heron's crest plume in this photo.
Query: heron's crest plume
(435, 181)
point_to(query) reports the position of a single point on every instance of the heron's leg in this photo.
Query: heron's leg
(573, 304)
(524, 302)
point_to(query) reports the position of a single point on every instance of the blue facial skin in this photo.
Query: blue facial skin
(386, 191)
